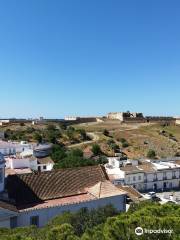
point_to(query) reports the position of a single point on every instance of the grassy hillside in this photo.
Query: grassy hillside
(164, 140)
(140, 138)
(54, 132)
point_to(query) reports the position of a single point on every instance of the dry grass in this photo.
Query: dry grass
(141, 137)
(149, 137)
(110, 125)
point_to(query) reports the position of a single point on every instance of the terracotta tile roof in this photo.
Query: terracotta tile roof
(8, 206)
(177, 162)
(105, 189)
(131, 192)
(45, 160)
(58, 202)
(38, 187)
(100, 190)
(9, 171)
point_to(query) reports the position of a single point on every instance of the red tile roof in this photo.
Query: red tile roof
(8, 206)
(58, 202)
(38, 187)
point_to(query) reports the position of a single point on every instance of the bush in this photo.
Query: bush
(37, 137)
(151, 154)
(125, 144)
(122, 140)
(96, 149)
(106, 132)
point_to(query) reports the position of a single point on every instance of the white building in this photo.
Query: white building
(9, 148)
(71, 118)
(178, 121)
(146, 175)
(45, 164)
(17, 164)
(4, 122)
(36, 198)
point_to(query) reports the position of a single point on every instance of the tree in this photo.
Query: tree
(105, 223)
(106, 132)
(30, 130)
(70, 133)
(62, 232)
(112, 144)
(51, 127)
(37, 137)
(63, 126)
(96, 149)
(83, 134)
(125, 144)
(151, 154)
(122, 140)
(76, 152)
(58, 153)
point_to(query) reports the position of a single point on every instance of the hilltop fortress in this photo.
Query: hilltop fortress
(135, 117)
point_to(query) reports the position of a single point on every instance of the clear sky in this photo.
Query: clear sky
(89, 57)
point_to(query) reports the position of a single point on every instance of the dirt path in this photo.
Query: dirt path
(94, 138)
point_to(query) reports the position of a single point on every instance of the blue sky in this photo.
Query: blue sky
(89, 57)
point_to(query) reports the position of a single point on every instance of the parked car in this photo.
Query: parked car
(150, 195)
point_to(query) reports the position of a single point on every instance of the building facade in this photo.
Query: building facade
(36, 198)
(147, 175)
(9, 148)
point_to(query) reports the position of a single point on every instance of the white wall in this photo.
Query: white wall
(14, 163)
(5, 223)
(149, 180)
(134, 178)
(47, 214)
(49, 167)
(5, 216)
(17, 148)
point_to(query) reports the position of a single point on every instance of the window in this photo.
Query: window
(164, 176)
(134, 178)
(34, 221)
(39, 168)
(13, 222)
(1, 175)
(155, 177)
(44, 167)
(139, 178)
